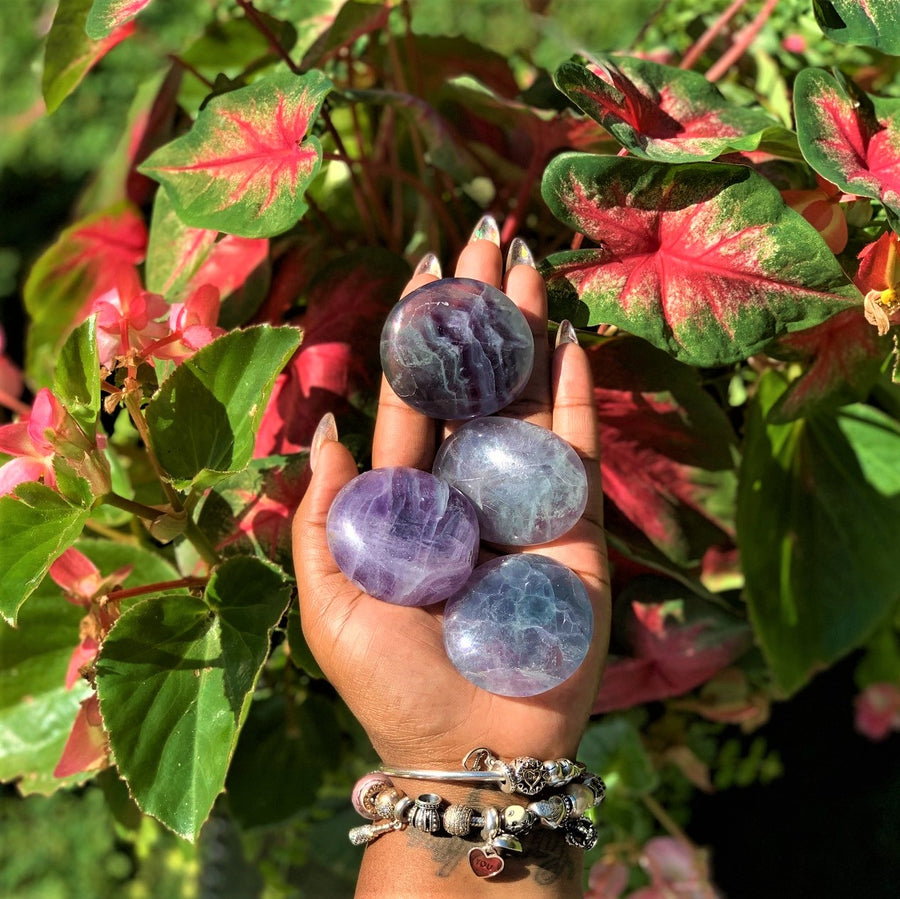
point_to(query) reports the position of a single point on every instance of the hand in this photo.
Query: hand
(388, 662)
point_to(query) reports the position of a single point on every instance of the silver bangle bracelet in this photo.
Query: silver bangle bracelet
(485, 777)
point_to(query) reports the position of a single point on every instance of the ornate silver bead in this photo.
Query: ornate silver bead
(528, 774)
(517, 819)
(385, 802)
(581, 833)
(552, 811)
(426, 813)
(596, 786)
(458, 820)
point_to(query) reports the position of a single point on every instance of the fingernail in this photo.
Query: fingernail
(565, 333)
(519, 254)
(429, 265)
(486, 229)
(326, 430)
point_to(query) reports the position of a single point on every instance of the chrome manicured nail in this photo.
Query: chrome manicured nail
(519, 254)
(486, 229)
(325, 430)
(565, 333)
(429, 265)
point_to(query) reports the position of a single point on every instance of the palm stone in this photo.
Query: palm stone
(403, 535)
(457, 348)
(520, 626)
(527, 484)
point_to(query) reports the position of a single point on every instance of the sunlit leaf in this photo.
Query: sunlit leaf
(76, 378)
(660, 112)
(108, 15)
(872, 23)
(244, 166)
(703, 260)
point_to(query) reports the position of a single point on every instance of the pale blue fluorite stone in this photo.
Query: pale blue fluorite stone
(457, 348)
(520, 626)
(527, 484)
(403, 536)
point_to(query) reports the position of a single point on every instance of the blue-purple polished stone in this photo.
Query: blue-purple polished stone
(403, 536)
(527, 484)
(520, 626)
(457, 348)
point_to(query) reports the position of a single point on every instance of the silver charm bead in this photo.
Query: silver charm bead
(517, 819)
(552, 811)
(596, 785)
(458, 820)
(385, 802)
(581, 834)
(552, 773)
(491, 826)
(508, 783)
(426, 813)
(362, 836)
(506, 842)
(569, 800)
(582, 797)
(402, 810)
(529, 775)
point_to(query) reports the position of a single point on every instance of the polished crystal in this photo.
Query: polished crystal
(527, 484)
(520, 626)
(403, 535)
(457, 348)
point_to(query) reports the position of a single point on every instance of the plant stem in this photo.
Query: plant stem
(693, 53)
(666, 820)
(133, 405)
(158, 587)
(743, 41)
(129, 505)
(258, 23)
(517, 216)
(189, 68)
(111, 533)
(201, 543)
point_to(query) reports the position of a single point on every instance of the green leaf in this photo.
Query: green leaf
(36, 709)
(204, 418)
(107, 15)
(874, 23)
(245, 165)
(76, 377)
(703, 260)
(36, 526)
(818, 507)
(613, 749)
(175, 678)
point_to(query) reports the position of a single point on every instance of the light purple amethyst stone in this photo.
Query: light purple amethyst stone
(520, 626)
(403, 535)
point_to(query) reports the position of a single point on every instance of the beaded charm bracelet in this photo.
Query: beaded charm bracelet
(377, 798)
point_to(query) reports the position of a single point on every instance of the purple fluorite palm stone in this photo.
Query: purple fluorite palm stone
(403, 536)
(520, 626)
(527, 484)
(457, 348)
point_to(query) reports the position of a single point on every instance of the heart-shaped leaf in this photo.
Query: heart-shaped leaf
(849, 137)
(818, 504)
(660, 112)
(703, 260)
(244, 166)
(203, 420)
(108, 15)
(874, 23)
(175, 677)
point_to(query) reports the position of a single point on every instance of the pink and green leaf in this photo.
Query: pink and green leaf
(849, 137)
(70, 53)
(245, 165)
(663, 113)
(108, 15)
(872, 23)
(703, 260)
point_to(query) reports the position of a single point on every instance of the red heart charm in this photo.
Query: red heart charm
(483, 864)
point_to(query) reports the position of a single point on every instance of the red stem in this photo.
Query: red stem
(743, 41)
(267, 33)
(158, 587)
(517, 215)
(708, 36)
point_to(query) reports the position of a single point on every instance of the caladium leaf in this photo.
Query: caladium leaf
(703, 260)
(818, 501)
(83, 264)
(176, 676)
(70, 53)
(874, 23)
(244, 166)
(106, 16)
(849, 137)
(660, 112)
(669, 453)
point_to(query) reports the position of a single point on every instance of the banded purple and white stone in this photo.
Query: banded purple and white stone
(457, 348)
(403, 535)
(527, 484)
(520, 626)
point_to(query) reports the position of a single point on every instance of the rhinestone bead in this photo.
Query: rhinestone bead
(458, 820)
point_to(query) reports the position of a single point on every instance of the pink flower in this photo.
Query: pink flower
(794, 43)
(878, 277)
(126, 319)
(86, 749)
(192, 325)
(821, 208)
(676, 870)
(607, 880)
(878, 710)
(29, 442)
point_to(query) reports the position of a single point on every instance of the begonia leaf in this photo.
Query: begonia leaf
(76, 377)
(83, 263)
(660, 112)
(849, 137)
(613, 748)
(36, 709)
(348, 304)
(244, 166)
(203, 420)
(845, 356)
(818, 498)
(106, 16)
(704, 260)
(874, 23)
(70, 53)
(669, 452)
(36, 526)
(175, 678)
